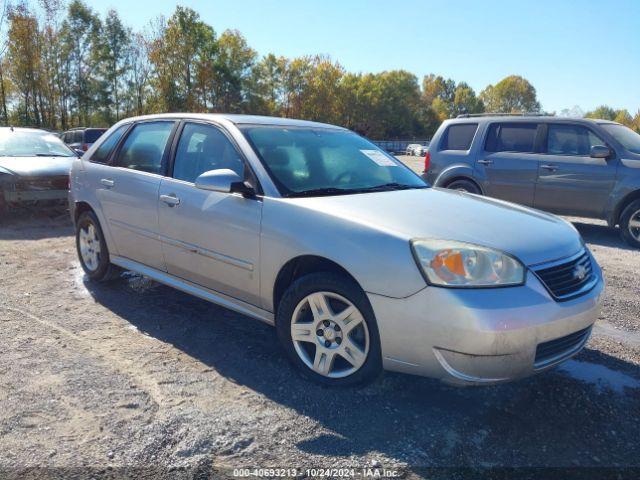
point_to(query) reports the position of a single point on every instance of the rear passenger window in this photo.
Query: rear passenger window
(458, 136)
(144, 147)
(571, 140)
(101, 155)
(512, 137)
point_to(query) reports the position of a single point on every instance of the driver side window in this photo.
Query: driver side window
(202, 148)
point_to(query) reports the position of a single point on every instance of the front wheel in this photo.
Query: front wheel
(92, 249)
(630, 224)
(464, 186)
(327, 327)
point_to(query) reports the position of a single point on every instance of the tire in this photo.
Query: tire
(630, 217)
(350, 353)
(463, 185)
(101, 269)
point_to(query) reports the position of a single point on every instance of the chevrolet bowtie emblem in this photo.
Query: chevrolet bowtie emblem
(580, 272)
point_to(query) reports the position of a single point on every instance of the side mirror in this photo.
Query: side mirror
(223, 180)
(600, 151)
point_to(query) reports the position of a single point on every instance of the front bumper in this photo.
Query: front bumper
(476, 336)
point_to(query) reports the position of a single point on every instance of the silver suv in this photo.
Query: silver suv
(358, 264)
(581, 167)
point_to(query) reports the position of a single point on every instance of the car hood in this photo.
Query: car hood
(529, 235)
(36, 166)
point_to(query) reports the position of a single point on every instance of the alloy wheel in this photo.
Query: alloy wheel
(90, 249)
(330, 334)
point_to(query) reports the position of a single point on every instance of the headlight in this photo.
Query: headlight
(448, 263)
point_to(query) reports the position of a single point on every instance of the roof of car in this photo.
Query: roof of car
(240, 119)
(527, 118)
(27, 129)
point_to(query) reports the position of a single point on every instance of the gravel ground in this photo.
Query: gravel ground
(136, 375)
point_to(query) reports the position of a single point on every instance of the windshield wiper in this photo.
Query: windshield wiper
(385, 187)
(318, 192)
(51, 155)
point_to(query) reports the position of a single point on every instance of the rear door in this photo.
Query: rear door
(507, 163)
(570, 181)
(128, 192)
(210, 238)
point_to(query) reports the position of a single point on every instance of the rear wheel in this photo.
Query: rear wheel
(92, 249)
(463, 185)
(630, 224)
(327, 327)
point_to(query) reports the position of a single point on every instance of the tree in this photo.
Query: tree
(23, 60)
(233, 71)
(512, 94)
(265, 85)
(603, 112)
(183, 54)
(115, 44)
(80, 35)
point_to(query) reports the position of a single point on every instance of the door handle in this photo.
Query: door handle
(485, 162)
(107, 182)
(170, 200)
(551, 168)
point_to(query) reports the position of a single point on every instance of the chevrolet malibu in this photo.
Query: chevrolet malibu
(34, 168)
(358, 264)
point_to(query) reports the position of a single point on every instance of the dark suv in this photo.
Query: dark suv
(81, 139)
(581, 167)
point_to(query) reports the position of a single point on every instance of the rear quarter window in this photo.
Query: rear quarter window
(458, 136)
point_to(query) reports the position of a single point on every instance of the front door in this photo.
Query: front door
(128, 193)
(507, 164)
(209, 238)
(570, 181)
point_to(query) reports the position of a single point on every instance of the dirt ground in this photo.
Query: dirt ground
(133, 376)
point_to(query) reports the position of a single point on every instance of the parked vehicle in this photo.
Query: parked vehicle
(414, 149)
(82, 138)
(34, 168)
(582, 167)
(355, 260)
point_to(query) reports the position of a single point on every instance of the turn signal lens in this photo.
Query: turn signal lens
(450, 263)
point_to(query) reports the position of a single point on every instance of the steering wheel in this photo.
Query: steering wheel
(345, 176)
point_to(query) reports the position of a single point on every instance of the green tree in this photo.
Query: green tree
(603, 112)
(233, 71)
(512, 94)
(80, 36)
(115, 44)
(182, 52)
(265, 85)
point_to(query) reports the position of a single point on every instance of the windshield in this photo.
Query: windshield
(320, 161)
(31, 143)
(629, 139)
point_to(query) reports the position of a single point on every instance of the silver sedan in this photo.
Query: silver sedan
(355, 260)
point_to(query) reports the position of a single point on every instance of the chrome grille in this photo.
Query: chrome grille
(568, 278)
(553, 351)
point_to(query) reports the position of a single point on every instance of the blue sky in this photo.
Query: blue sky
(575, 52)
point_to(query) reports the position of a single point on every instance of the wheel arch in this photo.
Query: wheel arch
(467, 178)
(303, 265)
(614, 217)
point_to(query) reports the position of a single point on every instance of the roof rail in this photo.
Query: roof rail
(497, 114)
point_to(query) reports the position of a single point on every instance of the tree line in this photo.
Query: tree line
(65, 66)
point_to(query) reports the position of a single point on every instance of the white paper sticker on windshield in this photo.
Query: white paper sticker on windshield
(380, 158)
